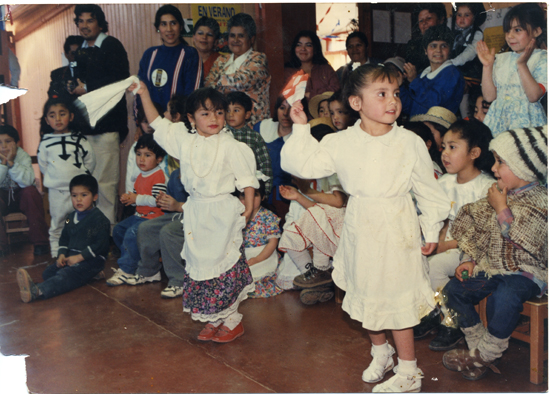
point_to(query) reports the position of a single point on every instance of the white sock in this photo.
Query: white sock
(300, 259)
(216, 323)
(233, 320)
(406, 367)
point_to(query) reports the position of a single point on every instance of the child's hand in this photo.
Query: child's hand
(168, 203)
(465, 266)
(410, 71)
(247, 213)
(297, 113)
(428, 248)
(497, 198)
(61, 261)
(73, 260)
(128, 198)
(3, 159)
(141, 88)
(527, 52)
(252, 261)
(289, 192)
(486, 56)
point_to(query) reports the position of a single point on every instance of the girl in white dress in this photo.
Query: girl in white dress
(213, 164)
(379, 261)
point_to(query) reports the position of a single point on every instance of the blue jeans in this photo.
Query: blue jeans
(508, 293)
(62, 280)
(125, 237)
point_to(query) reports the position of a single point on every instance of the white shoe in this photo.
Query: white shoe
(172, 292)
(381, 363)
(401, 383)
(119, 278)
(140, 279)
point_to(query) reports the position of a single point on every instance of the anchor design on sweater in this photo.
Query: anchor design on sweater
(65, 146)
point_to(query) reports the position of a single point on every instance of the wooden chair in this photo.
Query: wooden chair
(537, 311)
(15, 223)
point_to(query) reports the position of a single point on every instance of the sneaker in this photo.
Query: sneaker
(317, 294)
(27, 289)
(172, 292)
(428, 324)
(120, 277)
(313, 277)
(401, 383)
(140, 279)
(447, 338)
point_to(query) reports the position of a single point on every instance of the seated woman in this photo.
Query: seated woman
(275, 132)
(244, 70)
(206, 33)
(173, 67)
(307, 55)
(441, 84)
(357, 44)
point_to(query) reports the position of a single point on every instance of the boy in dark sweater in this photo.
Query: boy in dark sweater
(83, 246)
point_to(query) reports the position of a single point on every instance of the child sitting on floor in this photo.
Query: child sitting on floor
(18, 193)
(83, 246)
(261, 237)
(504, 243)
(149, 183)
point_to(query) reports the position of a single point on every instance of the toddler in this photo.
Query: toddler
(149, 183)
(62, 154)
(261, 237)
(237, 117)
(515, 81)
(83, 246)
(18, 192)
(468, 163)
(379, 261)
(503, 241)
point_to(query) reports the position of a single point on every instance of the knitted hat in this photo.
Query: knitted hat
(438, 115)
(525, 151)
(313, 104)
(397, 61)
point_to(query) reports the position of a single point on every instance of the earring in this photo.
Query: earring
(158, 31)
(193, 129)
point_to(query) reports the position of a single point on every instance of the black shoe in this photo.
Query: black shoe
(429, 323)
(446, 339)
(313, 277)
(39, 250)
(317, 294)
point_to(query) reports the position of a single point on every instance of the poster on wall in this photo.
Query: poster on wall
(220, 12)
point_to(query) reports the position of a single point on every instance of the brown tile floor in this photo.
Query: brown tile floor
(101, 339)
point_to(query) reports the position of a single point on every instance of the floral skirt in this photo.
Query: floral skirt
(217, 298)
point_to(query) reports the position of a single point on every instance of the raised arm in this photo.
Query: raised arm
(487, 58)
(532, 89)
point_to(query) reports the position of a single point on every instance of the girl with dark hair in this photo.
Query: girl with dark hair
(306, 54)
(213, 165)
(245, 70)
(173, 67)
(519, 76)
(206, 34)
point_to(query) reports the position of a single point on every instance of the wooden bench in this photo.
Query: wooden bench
(537, 311)
(15, 223)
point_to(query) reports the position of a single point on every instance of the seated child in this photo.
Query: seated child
(63, 153)
(438, 119)
(341, 115)
(318, 105)
(132, 169)
(237, 117)
(83, 246)
(318, 226)
(468, 162)
(424, 132)
(149, 183)
(18, 193)
(504, 243)
(478, 106)
(261, 236)
(163, 235)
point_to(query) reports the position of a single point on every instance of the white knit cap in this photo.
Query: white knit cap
(525, 151)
